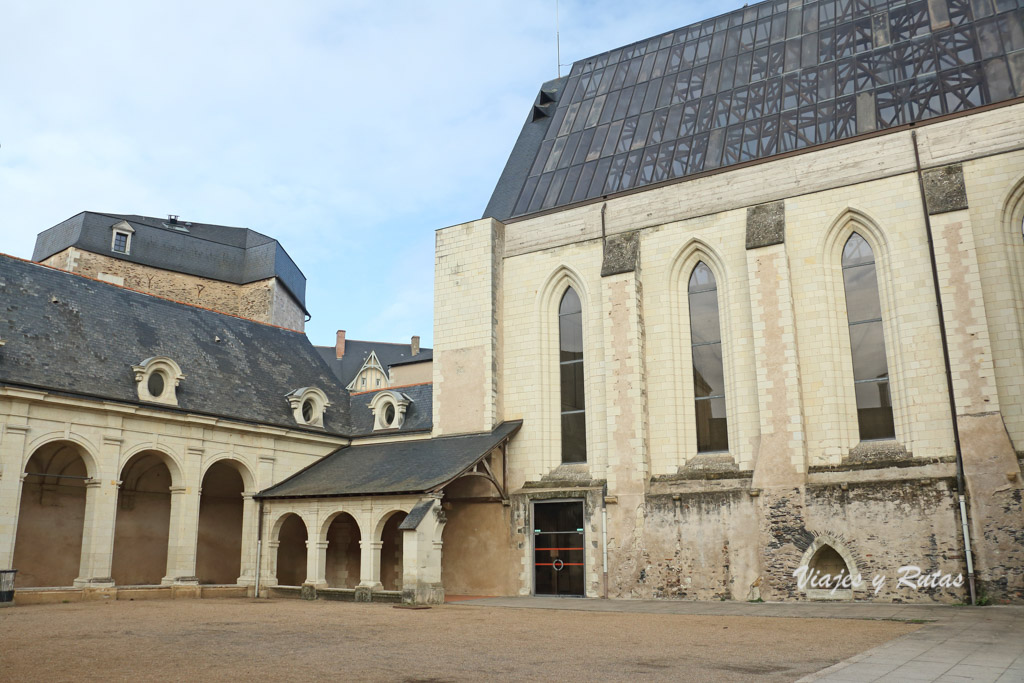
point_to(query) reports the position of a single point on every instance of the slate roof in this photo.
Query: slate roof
(218, 252)
(765, 79)
(68, 333)
(419, 414)
(391, 468)
(356, 353)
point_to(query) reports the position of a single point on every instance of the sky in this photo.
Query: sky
(350, 131)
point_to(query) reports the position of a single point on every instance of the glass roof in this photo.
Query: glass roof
(767, 79)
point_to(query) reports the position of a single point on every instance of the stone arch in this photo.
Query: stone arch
(827, 554)
(342, 562)
(1012, 240)
(170, 459)
(847, 222)
(686, 258)
(51, 513)
(549, 298)
(291, 534)
(221, 511)
(87, 450)
(239, 464)
(142, 524)
(392, 542)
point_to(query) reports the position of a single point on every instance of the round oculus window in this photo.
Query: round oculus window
(389, 414)
(307, 411)
(155, 384)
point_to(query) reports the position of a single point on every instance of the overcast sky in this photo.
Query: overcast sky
(348, 130)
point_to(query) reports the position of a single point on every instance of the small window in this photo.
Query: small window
(389, 409)
(308, 406)
(157, 380)
(378, 381)
(364, 381)
(156, 384)
(120, 242)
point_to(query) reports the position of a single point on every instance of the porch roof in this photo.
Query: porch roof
(399, 467)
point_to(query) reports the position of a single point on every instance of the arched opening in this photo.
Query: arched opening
(708, 368)
(219, 550)
(391, 553)
(828, 562)
(142, 526)
(48, 543)
(342, 567)
(476, 551)
(570, 362)
(291, 552)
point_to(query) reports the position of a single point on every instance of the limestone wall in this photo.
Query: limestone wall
(796, 475)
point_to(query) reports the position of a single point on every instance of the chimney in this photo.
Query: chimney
(339, 345)
(415, 345)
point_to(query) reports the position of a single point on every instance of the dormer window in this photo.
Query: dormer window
(121, 239)
(308, 406)
(388, 409)
(157, 380)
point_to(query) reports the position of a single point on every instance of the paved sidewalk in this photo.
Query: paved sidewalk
(954, 644)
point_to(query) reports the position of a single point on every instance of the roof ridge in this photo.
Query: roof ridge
(139, 291)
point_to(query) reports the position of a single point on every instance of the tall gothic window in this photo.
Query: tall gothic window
(570, 343)
(867, 341)
(708, 375)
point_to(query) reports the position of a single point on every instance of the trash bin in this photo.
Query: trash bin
(7, 587)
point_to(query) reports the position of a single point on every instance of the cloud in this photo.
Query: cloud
(350, 131)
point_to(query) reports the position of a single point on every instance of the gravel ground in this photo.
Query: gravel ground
(272, 640)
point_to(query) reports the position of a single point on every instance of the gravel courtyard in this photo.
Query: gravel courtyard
(297, 640)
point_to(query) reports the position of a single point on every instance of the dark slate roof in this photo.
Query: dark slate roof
(422, 357)
(356, 353)
(218, 252)
(768, 78)
(391, 468)
(419, 414)
(68, 333)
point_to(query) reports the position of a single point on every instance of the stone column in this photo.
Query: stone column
(269, 575)
(12, 454)
(250, 530)
(101, 496)
(98, 534)
(183, 536)
(316, 563)
(369, 564)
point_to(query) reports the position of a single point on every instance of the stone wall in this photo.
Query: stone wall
(266, 300)
(737, 524)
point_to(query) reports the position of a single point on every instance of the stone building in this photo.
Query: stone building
(747, 301)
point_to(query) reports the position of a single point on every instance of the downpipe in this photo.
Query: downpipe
(960, 487)
(259, 546)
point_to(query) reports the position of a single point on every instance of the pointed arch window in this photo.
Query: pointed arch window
(867, 341)
(570, 344)
(708, 372)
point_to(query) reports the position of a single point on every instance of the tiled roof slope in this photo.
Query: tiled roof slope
(390, 468)
(766, 79)
(68, 333)
(356, 353)
(218, 252)
(419, 414)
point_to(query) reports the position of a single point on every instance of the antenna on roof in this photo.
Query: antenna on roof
(558, 43)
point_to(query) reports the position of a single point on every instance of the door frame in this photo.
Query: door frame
(533, 545)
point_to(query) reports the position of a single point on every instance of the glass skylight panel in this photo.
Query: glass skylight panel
(766, 79)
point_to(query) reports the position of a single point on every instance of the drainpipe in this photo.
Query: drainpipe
(960, 488)
(604, 538)
(259, 546)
